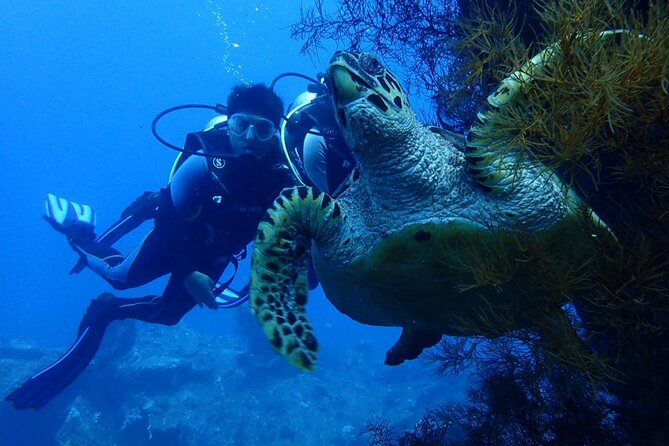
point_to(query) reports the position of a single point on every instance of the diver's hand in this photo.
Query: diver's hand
(199, 286)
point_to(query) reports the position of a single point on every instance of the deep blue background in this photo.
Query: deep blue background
(81, 82)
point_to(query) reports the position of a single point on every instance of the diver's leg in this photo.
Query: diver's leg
(45, 385)
(167, 309)
(89, 248)
(171, 306)
(148, 261)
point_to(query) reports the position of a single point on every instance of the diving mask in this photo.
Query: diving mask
(239, 124)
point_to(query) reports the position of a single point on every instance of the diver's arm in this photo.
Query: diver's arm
(185, 198)
(188, 187)
(187, 190)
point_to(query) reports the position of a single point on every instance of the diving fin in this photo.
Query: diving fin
(143, 208)
(229, 297)
(69, 218)
(37, 391)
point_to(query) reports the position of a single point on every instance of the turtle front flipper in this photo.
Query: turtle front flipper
(411, 344)
(279, 273)
(492, 163)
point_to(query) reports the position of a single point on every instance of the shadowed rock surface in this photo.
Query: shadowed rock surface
(174, 386)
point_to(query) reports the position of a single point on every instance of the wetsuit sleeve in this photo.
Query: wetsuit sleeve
(187, 191)
(189, 187)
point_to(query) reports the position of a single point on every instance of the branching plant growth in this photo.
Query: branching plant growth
(599, 115)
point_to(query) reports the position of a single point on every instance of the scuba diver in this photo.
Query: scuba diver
(202, 221)
(312, 141)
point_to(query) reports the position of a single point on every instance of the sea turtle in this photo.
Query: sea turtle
(427, 236)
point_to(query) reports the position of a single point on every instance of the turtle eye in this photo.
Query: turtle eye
(376, 66)
(372, 65)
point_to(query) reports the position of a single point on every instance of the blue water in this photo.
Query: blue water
(81, 82)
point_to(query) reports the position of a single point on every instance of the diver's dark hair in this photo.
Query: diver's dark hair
(257, 99)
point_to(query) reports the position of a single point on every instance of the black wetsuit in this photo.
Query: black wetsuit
(208, 213)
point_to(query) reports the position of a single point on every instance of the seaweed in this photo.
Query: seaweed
(512, 401)
(598, 116)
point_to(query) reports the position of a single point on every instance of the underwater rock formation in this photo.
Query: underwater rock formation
(173, 386)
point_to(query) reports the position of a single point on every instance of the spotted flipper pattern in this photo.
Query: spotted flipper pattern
(279, 282)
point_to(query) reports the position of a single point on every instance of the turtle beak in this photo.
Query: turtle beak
(345, 88)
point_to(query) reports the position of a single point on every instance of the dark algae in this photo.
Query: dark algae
(599, 117)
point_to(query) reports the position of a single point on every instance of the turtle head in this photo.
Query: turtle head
(370, 105)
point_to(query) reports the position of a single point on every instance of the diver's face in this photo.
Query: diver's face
(251, 134)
